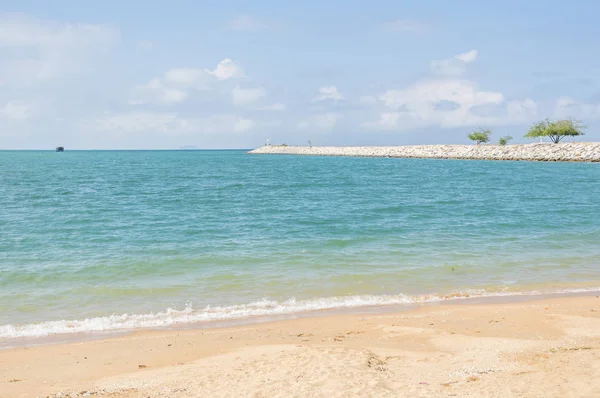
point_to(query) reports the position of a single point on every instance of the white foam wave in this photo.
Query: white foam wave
(264, 307)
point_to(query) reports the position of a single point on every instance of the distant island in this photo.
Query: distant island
(563, 152)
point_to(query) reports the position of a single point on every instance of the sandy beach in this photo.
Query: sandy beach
(539, 348)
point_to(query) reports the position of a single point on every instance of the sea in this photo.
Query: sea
(115, 241)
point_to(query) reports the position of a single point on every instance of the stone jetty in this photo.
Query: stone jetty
(547, 152)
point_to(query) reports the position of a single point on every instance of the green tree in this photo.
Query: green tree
(504, 140)
(556, 131)
(480, 135)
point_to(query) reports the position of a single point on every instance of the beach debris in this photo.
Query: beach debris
(142, 366)
(85, 393)
(523, 373)
(15, 380)
(424, 383)
(376, 363)
(473, 378)
(563, 349)
(449, 383)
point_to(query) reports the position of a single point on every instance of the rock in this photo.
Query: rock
(565, 152)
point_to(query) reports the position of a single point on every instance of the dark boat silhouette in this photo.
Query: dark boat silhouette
(60, 149)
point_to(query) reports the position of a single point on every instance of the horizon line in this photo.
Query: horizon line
(128, 149)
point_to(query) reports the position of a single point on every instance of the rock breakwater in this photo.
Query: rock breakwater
(564, 152)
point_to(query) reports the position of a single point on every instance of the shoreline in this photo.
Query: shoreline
(452, 299)
(539, 152)
(476, 347)
(466, 298)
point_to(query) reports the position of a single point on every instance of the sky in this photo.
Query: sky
(230, 74)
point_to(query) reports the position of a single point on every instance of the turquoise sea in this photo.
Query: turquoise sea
(115, 240)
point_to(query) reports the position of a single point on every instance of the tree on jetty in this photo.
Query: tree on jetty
(556, 131)
(504, 140)
(480, 135)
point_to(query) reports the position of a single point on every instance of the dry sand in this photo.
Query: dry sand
(545, 348)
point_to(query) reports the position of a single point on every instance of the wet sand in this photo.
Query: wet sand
(541, 348)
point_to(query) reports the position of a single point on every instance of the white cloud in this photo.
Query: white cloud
(468, 57)
(244, 97)
(567, 107)
(328, 93)
(169, 123)
(227, 69)
(18, 30)
(326, 121)
(449, 103)
(273, 107)
(49, 49)
(246, 23)
(135, 122)
(405, 26)
(387, 120)
(173, 87)
(243, 125)
(187, 76)
(16, 110)
(426, 93)
(454, 66)
(320, 122)
(520, 111)
(367, 100)
(249, 97)
(156, 92)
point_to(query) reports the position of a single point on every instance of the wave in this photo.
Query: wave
(264, 307)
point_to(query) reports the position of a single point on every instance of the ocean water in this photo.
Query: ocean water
(118, 240)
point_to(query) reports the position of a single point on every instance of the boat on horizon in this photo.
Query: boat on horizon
(60, 149)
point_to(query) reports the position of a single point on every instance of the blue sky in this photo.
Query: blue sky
(228, 74)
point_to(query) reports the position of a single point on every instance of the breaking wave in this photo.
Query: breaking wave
(264, 307)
